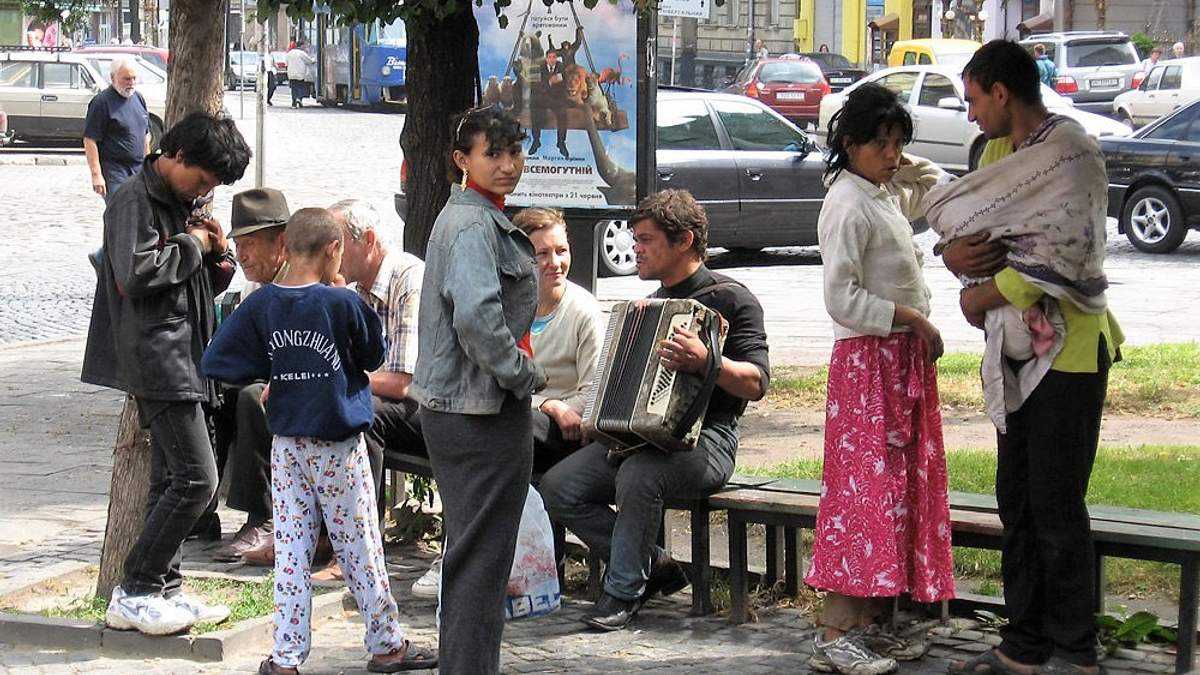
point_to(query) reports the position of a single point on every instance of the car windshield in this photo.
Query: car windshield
(790, 72)
(830, 61)
(953, 59)
(145, 73)
(1091, 54)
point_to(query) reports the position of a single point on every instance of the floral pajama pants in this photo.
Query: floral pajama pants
(311, 480)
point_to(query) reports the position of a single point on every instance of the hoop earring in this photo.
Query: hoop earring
(463, 183)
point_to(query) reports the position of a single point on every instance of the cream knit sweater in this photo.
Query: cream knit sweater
(568, 348)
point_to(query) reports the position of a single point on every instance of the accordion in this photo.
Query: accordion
(635, 400)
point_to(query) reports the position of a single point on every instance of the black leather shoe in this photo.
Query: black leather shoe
(208, 528)
(533, 149)
(562, 149)
(611, 613)
(666, 577)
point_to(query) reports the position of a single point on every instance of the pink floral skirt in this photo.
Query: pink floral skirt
(883, 528)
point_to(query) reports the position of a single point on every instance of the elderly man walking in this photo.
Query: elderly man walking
(299, 62)
(116, 132)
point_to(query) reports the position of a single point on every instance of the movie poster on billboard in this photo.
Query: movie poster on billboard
(568, 73)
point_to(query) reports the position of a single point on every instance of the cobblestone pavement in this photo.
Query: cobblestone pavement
(51, 220)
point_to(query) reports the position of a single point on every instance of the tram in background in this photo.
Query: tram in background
(361, 64)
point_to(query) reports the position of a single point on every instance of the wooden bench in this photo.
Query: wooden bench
(1118, 532)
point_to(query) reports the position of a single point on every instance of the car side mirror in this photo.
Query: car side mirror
(951, 103)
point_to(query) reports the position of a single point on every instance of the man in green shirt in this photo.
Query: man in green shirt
(1045, 458)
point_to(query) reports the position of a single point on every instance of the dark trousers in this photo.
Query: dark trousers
(272, 83)
(299, 89)
(580, 490)
(549, 446)
(538, 117)
(183, 478)
(482, 466)
(115, 174)
(250, 462)
(1048, 559)
(396, 428)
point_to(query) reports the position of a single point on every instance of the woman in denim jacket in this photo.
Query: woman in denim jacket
(474, 378)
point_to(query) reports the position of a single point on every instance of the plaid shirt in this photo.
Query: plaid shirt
(395, 296)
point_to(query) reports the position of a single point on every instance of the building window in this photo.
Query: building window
(922, 19)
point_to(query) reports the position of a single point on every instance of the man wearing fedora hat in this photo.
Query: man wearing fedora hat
(258, 221)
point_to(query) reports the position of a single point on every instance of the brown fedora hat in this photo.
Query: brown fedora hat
(258, 209)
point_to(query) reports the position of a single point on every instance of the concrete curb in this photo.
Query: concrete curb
(42, 160)
(57, 633)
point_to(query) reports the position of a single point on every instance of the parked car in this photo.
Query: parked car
(932, 51)
(242, 72)
(152, 81)
(941, 130)
(791, 84)
(757, 175)
(280, 61)
(46, 94)
(6, 136)
(1169, 85)
(156, 55)
(1154, 180)
(838, 70)
(1094, 67)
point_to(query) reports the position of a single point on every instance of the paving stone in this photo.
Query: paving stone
(1130, 654)
(969, 635)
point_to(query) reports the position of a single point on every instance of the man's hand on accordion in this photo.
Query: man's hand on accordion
(684, 352)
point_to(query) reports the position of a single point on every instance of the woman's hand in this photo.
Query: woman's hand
(565, 417)
(932, 338)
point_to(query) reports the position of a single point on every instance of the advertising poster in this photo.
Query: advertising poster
(569, 74)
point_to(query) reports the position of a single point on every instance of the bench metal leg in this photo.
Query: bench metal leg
(738, 611)
(775, 548)
(791, 562)
(1189, 580)
(1099, 581)
(595, 586)
(701, 576)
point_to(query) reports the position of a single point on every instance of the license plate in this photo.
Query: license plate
(839, 80)
(1108, 83)
(790, 96)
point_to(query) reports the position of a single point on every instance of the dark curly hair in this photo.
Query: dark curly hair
(676, 212)
(1007, 63)
(499, 128)
(869, 112)
(209, 142)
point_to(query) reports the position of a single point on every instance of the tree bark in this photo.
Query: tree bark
(443, 80)
(196, 37)
(127, 498)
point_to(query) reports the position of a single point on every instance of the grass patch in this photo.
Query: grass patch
(1161, 381)
(1159, 478)
(245, 599)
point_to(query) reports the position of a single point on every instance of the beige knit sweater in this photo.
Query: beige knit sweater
(568, 348)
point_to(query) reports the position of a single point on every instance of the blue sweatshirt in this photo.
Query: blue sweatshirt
(314, 345)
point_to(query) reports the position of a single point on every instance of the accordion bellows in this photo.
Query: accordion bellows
(636, 400)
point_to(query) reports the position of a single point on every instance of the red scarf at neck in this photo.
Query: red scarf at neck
(492, 197)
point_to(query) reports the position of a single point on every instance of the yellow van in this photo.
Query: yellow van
(942, 52)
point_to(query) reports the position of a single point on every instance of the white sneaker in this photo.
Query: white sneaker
(847, 655)
(201, 612)
(150, 614)
(427, 585)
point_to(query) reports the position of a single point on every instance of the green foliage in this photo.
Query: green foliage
(49, 11)
(1143, 43)
(1120, 630)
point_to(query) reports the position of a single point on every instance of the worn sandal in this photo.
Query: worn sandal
(269, 667)
(986, 663)
(1057, 665)
(414, 658)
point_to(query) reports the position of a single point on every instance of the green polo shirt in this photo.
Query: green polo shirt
(1081, 344)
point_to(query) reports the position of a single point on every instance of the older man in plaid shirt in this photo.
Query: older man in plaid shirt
(390, 283)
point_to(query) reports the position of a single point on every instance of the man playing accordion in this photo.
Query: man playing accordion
(671, 237)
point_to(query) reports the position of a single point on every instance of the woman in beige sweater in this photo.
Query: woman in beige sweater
(566, 339)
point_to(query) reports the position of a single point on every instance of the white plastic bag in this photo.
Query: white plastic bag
(533, 582)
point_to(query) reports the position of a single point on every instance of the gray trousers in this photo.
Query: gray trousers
(482, 466)
(580, 490)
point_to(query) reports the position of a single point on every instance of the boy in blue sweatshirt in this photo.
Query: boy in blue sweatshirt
(313, 343)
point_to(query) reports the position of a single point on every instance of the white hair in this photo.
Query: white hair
(358, 215)
(118, 65)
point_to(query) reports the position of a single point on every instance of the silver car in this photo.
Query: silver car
(1093, 66)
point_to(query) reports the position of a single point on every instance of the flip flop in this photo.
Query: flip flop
(986, 663)
(415, 658)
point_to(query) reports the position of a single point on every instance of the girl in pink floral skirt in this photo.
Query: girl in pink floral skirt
(883, 528)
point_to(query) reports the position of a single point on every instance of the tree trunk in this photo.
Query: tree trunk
(135, 22)
(443, 80)
(196, 37)
(126, 515)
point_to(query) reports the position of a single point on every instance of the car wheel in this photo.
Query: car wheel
(616, 249)
(156, 133)
(1127, 120)
(1153, 220)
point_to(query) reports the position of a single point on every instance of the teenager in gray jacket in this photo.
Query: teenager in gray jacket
(152, 317)
(474, 378)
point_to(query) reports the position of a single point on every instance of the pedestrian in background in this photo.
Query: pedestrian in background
(883, 527)
(152, 316)
(298, 64)
(474, 378)
(116, 131)
(1178, 51)
(1047, 71)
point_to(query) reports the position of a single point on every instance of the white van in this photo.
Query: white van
(1169, 85)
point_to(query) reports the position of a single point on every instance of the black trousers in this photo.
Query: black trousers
(549, 446)
(538, 117)
(482, 465)
(271, 85)
(1048, 559)
(183, 478)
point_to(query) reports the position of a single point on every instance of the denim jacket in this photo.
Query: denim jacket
(478, 298)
